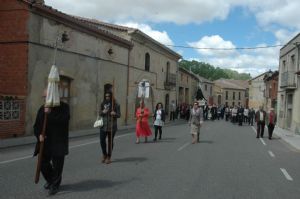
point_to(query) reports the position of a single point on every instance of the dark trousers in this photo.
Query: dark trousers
(205, 113)
(260, 129)
(250, 121)
(270, 129)
(107, 151)
(51, 168)
(240, 119)
(246, 119)
(156, 129)
(172, 115)
(226, 116)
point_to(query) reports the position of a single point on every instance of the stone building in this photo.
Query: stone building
(257, 90)
(271, 84)
(88, 63)
(230, 92)
(149, 60)
(207, 89)
(288, 108)
(188, 84)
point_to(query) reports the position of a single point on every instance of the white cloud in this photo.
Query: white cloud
(270, 14)
(214, 41)
(248, 61)
(277, 16)
(283, 12)
(177, 11)
(159, 36)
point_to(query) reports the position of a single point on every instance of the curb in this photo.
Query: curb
(27, 140)
(290, 138)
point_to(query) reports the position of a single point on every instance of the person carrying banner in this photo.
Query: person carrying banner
(56, 142)
(110, 112)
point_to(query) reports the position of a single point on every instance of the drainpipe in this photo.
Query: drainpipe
(177, 83)
(127, 88)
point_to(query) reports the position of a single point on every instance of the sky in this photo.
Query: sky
(198, 24)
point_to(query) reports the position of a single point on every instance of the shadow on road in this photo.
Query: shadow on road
(165, 139)
(131, 159)
(87, 185)
(206, 141)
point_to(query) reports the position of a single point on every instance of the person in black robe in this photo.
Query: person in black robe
(56, 143)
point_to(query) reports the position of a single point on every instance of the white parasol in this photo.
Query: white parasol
(52, 98)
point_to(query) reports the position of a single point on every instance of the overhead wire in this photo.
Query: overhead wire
(236, 48)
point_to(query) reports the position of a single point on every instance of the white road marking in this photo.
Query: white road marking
(271, 154)
(16, 159)
(262, 141)
(254, 129)
(285, 173)
(182, 147)
(71, 147)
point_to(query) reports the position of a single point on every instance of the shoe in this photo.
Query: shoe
(108, 161)
(53, 190)
(137, 141)
(159, 138)
(103, 158)
(146, 140)
(47, 185)
(270, 138)
(154, 139)
(257, 136)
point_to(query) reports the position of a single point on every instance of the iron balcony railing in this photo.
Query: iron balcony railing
(288, 80)
(170, 81)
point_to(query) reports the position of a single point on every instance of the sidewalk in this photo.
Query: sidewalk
(288, 136)
(19, 141)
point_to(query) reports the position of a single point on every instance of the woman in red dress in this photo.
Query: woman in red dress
(142, 126)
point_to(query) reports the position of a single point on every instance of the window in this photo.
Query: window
(168, 71)
(65, 85)
(233, 95)
(147, 62)
(239, 95)
(226, 95)
(205, 87)
(293, 61)
(283, 65)
(9, 110)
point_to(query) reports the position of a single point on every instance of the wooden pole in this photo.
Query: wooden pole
(112, 117)
(41, 149)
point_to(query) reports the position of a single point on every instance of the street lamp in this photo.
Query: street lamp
(63, 37)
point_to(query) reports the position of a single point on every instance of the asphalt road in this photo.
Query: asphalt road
(228, 163)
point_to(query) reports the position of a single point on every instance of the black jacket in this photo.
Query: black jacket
(163, 115)
(57, 130)
(107, 118)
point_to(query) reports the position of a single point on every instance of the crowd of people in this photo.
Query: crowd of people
(56, 129)
(243, 116)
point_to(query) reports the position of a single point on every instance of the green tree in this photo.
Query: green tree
(210, 72)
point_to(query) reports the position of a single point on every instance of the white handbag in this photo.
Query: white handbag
(98, 122)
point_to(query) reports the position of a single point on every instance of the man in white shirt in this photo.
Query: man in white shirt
(260, 118)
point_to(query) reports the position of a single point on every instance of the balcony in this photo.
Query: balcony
(288, 80)
(170, 81)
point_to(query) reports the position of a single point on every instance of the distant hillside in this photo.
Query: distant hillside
(210, 72)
